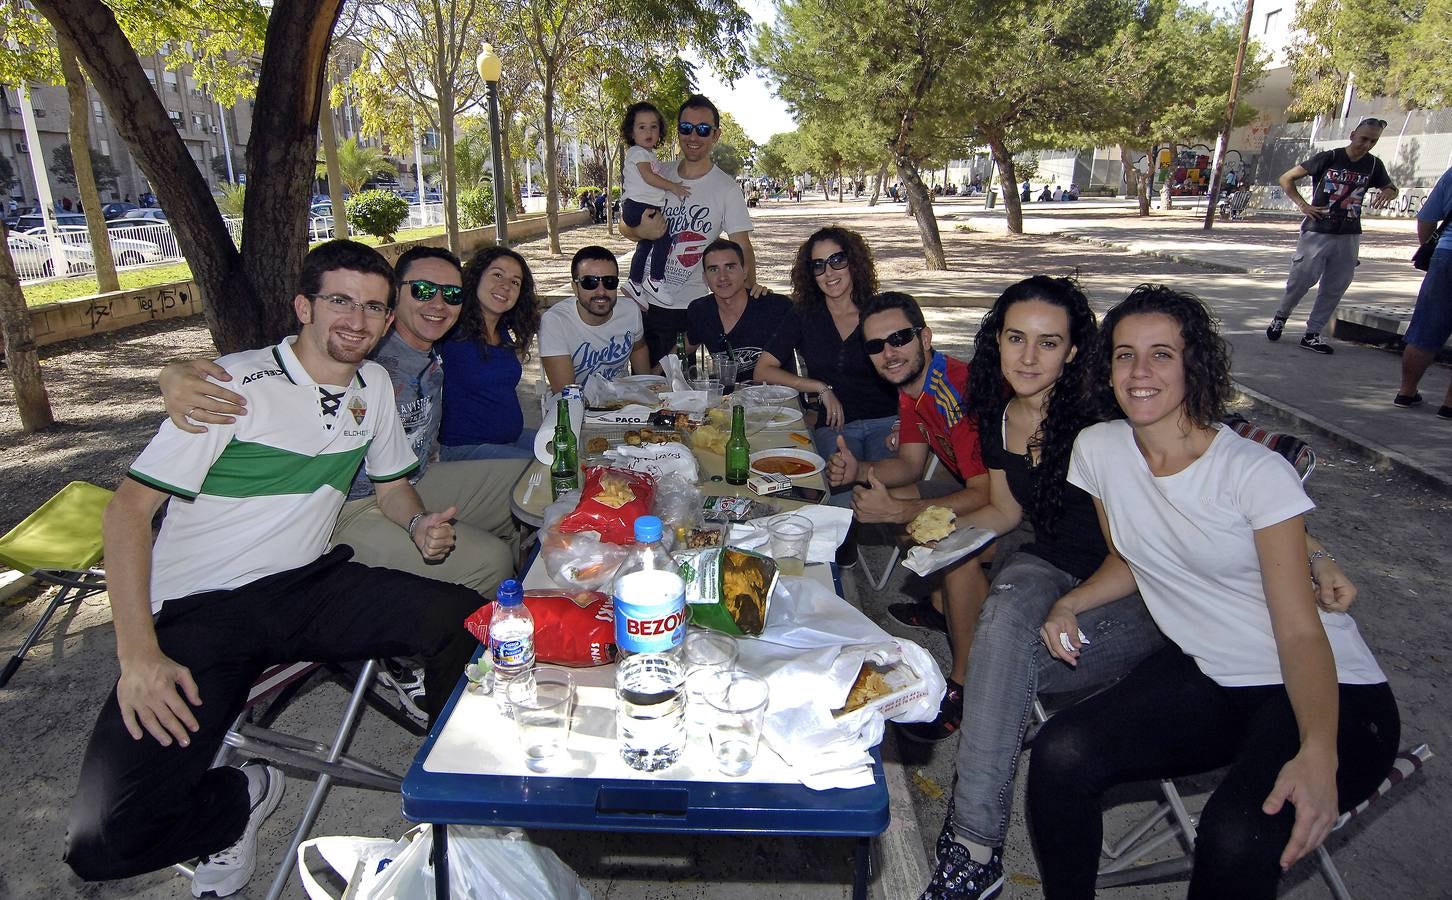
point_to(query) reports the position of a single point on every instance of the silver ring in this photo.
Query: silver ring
(190, 410)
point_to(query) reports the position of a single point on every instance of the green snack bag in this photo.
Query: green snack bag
(727, 589)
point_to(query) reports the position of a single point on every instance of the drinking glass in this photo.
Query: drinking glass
(790, 538)
(726, 366)
(738, 708)
(706, 652)
(543, 701)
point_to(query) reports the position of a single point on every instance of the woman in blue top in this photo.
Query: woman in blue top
(1431, 323)
(482, 418)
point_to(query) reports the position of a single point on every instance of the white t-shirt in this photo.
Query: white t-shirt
(602, 350)
(1189, 539)
(715, 207)
(265, 491)
(635, 186)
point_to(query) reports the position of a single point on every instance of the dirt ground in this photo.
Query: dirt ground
(1389, 532)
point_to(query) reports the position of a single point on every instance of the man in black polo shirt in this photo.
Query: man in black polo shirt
(729, 319)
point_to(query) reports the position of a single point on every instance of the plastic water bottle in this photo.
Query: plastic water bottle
(650, 625)
(511, 638)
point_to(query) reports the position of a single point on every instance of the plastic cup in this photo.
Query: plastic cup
(712, 387)
(738, 711)
(543, 703)
(790, 537)
(706, 652)
(726, 366)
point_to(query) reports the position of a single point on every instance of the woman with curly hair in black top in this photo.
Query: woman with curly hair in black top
(833, 277)
(482, 417)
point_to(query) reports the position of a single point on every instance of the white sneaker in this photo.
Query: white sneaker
(635, 293)
(408, 683)
(656, 289)
(225, 872)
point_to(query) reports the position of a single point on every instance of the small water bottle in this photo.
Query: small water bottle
(650, 625)
(511, 638)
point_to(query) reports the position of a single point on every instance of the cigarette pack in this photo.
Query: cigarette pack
(769, 484)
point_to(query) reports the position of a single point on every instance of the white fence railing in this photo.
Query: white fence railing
(153, 242)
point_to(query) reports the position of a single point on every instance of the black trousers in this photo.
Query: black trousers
(1167, 719)
(661, 328)
(140, 806)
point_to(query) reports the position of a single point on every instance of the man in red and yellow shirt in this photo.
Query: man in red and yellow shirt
(932, 419)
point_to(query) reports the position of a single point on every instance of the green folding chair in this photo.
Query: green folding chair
(58, 544)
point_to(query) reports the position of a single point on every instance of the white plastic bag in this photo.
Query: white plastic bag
(483, 862)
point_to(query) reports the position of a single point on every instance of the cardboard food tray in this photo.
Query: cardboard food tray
(906, 687)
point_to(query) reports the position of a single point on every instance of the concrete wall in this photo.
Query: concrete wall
(86, 316)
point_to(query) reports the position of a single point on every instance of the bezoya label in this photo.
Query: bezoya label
(650, 611)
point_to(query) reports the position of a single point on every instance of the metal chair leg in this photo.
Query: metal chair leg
(324, 782)
(30, 639)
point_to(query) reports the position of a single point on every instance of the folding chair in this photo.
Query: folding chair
(1296, 451)
(879, 582)
(58, 544)
(251, 735)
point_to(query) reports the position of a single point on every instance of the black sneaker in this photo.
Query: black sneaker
(1312, 341)
(1406, 401)
(1277, 325)
(1444, 412)
(847, 550)
(958, 877)
(918, 614)
(950, 717)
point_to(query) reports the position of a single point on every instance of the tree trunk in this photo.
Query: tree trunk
(877, 184)
(921, 202)
(248, 302)
(511, 184)
(335, 174)
(1012, 207)
(609, 202)
(85, 175)
(447, 174)
(21, 359)
(839, 184)
(552, 193)
(1142, 186)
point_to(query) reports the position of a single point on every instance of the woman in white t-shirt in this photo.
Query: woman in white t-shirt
(1209, 527)
(644, 189)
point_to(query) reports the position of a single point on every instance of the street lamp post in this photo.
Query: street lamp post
(489, 70)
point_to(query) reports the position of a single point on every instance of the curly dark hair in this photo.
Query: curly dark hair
(627, 124)
(859, 262)
(517, 327)
(1206, 359)
(1065, 414)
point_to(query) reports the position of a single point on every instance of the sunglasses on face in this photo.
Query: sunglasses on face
(900, 338)
(590, 282)
(703, 129)
(837, 260)
(1374, 123)
(424, 290)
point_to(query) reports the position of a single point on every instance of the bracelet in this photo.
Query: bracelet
(413, 523)
(1320, 554)
(826, 388)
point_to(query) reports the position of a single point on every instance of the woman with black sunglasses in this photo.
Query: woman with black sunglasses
(832, 279)
(482, 417)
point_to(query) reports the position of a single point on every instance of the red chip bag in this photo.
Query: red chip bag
(610, 503)
(569, 629)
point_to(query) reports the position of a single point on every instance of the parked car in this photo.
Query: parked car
(34, 220)
(125, 250)
(152, 213)
(12, 218)
(149, 230)
(32, 256)
(117, 210)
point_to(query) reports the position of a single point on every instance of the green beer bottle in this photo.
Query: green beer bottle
(565, 470)
(738, 452)
(683, 355)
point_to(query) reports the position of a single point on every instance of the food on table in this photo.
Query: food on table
(711, 437)
(868, 686)
(696, 538)
(570, 629)
(632, 437)
(789, 466)
(597, 445)
(801, 439)
(610, 503)
(728, 589)
(932, 524)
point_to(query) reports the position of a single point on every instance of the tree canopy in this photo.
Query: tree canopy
(1388, 48)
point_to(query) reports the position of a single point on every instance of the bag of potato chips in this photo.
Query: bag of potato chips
(610, 503)
(727, 589)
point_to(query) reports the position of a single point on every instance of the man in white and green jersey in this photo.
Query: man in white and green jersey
(240, 578)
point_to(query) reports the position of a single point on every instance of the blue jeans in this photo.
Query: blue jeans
(522, 448)
(866, 438)
(1010, 666)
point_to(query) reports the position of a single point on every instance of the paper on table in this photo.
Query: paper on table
(670, 366)
(829, 530)
(550, 415)
(810, 653)
(925, 560)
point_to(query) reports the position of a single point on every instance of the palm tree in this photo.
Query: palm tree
(358, 164)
